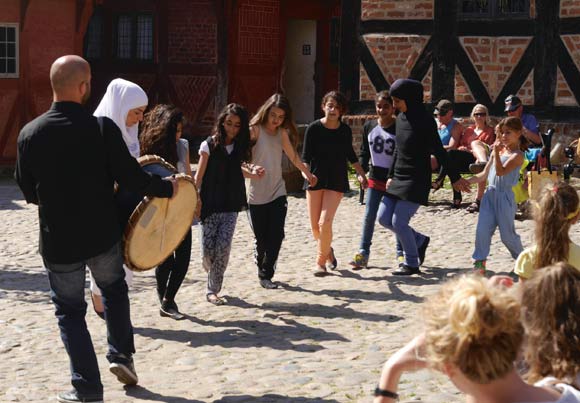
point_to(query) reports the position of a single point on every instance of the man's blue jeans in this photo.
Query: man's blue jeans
(67, 289)
(372, 203)
(395, 215)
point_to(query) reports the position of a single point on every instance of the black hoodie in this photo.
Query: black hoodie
(417, 139)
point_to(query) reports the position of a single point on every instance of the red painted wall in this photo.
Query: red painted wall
(48, 29)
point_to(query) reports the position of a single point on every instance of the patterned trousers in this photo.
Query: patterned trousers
(217, 231)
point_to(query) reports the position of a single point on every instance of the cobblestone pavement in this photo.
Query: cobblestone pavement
(314, 340)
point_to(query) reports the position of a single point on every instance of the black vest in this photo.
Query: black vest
(223, 188)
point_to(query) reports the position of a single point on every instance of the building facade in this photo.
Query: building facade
(202, 54)
(468, 51)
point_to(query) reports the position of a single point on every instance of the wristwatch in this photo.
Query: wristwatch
(386, 393)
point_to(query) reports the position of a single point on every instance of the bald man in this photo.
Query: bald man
(67, 164)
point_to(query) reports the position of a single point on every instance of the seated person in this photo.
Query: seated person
(480, 134)
(514, 107)
(449, 128)
(473, 335)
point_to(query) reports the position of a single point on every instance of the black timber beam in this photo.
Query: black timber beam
(444, 33)
(547, 38)
(349, 55)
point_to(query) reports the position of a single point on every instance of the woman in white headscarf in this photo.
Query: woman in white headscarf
(124, 103)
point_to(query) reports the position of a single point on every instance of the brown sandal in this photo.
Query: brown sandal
(473, 207)
(214, 299)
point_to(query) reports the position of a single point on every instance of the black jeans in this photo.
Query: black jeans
(267, 221)
(172, 271)
(67, 289)
(460, 160)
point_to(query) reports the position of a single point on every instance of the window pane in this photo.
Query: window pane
(512, 6)
(124, 30)
(2, 34)
(11, 50)
(94, 37)
(11, 34)
(11, 66)
(2, 66)
(475, 6)
(2, 50)
(145, 37)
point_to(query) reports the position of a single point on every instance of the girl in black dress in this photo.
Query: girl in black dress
(327, 148)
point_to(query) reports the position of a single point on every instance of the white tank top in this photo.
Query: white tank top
(267, 153)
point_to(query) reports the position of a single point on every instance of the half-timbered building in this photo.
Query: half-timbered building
(201, 54)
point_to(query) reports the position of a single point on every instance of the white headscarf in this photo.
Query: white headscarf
(120, 98)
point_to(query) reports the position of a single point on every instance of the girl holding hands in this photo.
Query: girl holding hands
(327, 148)
(272, 132)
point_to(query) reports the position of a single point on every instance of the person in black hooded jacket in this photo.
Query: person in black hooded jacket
(410, 180)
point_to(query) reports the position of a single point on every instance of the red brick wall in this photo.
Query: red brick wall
(494, 58)
(40, 43)
(192, 32)
(569, 8)
(259, 32)
(395, 54)
(397, 9)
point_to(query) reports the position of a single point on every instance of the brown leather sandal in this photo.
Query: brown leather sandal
(474, 207)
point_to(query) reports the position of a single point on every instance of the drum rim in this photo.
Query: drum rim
(131, 223)
(149, 159)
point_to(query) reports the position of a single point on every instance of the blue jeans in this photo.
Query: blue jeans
(373, 201)
(67, 290)
(395, 215)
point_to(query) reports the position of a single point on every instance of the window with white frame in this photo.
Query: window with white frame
(8, 50)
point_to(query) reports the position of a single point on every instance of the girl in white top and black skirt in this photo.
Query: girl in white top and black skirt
(223, 192)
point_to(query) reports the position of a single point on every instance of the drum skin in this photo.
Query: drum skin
(158, 225)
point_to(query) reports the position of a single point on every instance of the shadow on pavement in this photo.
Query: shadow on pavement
(272, 398)
(10, 192)
(249, 334)
(139, 392)
(316, 310)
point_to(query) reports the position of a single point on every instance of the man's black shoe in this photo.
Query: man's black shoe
(423, 250)
(405, 270)
(268, 284)
(73, 396)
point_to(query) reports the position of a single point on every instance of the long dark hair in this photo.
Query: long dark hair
(159, 132)
(242, 140)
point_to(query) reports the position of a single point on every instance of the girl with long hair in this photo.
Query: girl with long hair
(551, 317)
(557, 209)
(327, 149)
(498, 206)
(220, 179)
(473, 334)
(161, 135)
(273, 132)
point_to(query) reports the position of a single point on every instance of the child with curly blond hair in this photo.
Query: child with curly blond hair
(473, 334)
